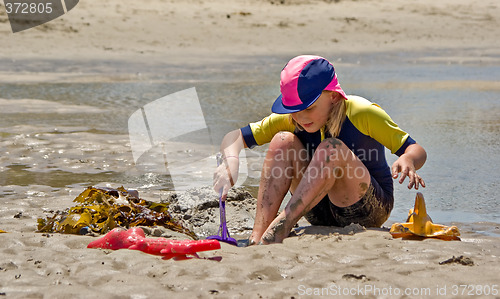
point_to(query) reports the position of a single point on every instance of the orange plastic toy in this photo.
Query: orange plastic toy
(419, 224)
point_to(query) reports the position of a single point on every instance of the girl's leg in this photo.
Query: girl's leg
(284, 164)
(333, 170)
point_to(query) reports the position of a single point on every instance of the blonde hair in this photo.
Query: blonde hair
(336, 119)
(337, 116)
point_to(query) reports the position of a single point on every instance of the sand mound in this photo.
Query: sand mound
(198, 209)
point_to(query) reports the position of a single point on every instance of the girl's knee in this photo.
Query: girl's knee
(287, 146)
(284, 140)
(331, 143)
(332, 150)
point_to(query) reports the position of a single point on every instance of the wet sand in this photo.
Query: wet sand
(313, 260)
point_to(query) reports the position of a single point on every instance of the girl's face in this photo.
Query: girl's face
(315, 116)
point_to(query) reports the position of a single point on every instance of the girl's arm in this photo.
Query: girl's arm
(226, 174)
(408, 163)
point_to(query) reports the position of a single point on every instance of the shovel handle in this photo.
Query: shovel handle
(222, 206)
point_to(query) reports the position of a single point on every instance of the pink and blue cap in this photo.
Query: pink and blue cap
(303, 80)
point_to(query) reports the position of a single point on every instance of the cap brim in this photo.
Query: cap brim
(279, 108)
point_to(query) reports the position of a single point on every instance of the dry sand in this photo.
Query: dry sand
(190, 31)
(317, 259)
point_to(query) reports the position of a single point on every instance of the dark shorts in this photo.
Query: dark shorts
(372, 210)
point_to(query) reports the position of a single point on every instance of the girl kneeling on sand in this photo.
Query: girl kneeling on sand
(327, 149)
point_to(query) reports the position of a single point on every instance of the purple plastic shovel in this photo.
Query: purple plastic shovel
(223, 233)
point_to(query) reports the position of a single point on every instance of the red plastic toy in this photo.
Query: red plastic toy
(135, 239)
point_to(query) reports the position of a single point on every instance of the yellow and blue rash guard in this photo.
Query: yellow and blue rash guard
(366, 130)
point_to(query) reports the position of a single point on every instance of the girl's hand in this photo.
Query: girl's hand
(226, 175)
(406, 166)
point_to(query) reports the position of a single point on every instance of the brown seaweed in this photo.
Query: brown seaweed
(101, 209)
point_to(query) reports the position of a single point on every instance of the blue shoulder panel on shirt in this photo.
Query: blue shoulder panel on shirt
(248, 136)
(409, 141)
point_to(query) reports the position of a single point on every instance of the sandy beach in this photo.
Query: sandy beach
(197, 30)
(134, 37)
(314, 261)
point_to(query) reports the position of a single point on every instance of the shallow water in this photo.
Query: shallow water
(71, 129)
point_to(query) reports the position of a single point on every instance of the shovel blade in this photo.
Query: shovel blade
(229, 240)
